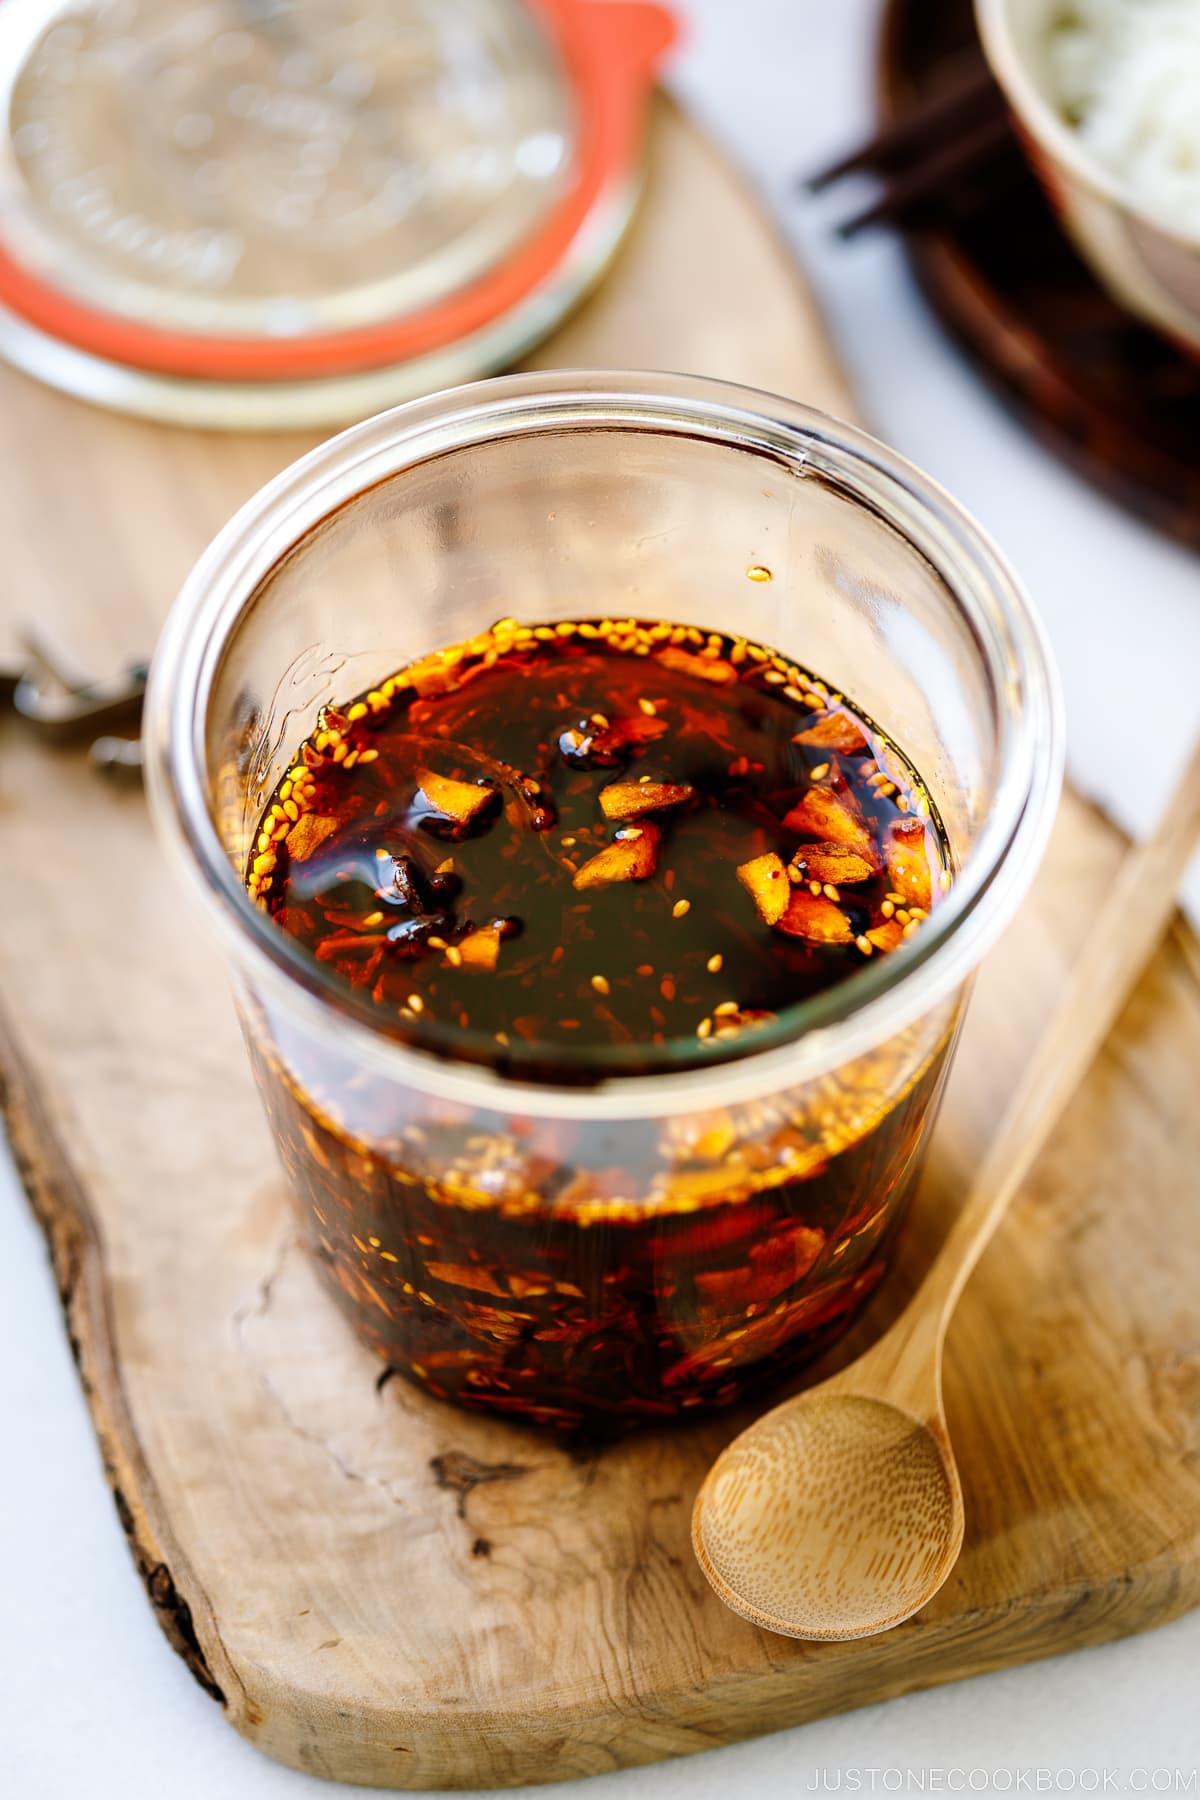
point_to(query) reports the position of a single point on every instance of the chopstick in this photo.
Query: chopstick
(923, 155)
(935, 173)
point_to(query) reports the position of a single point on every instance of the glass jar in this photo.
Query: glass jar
(608, 1248)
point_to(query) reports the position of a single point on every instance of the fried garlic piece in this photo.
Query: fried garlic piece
(812, 917)
(480, 949)
(607, 743)
(632, 799)
(887, 935)
(836, 863)
(907, 861)
(765, 880)
(706, 668)
(836, 731)
(830, 817)
(308, 834)
(455, 804)
(632, 856)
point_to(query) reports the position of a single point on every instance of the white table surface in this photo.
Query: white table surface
(92, 1703)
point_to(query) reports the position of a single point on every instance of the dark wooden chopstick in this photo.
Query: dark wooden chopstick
(923, 155)
(932, 175)
(933, 120)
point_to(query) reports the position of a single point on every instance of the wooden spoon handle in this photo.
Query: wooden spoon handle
(1124, 933)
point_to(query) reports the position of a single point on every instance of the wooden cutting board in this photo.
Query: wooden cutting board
(378, 1588)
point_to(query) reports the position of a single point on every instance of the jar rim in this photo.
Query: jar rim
(874, 1004)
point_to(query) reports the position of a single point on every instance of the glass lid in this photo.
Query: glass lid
(275, 168)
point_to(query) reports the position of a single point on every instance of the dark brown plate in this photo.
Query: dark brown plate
(1105, 393)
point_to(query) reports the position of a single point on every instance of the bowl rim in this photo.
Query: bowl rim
(1050, 129)
(869, 1008)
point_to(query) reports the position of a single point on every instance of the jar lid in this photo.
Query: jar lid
(275, 211)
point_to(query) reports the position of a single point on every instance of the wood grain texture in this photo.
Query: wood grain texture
(377, 1587)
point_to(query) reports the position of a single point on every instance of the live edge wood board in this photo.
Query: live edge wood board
(377, 1588)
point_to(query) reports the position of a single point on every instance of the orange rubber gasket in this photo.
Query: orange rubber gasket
(610, 49)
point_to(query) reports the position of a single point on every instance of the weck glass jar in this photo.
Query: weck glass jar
(587, 1245)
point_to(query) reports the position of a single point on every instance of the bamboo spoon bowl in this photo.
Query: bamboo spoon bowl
(839, 1513)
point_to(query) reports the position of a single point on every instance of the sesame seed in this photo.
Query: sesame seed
(375, 918)
(830, 892)
(454, 957)
(569, 843)
(726, 1007)
(648, 707)
(814, 888)
(821, 770)
(887, 909)
(666, 988)
(714, 963)
(758, 572)
(416, 1003)
(600, 984)
(704, 1028)
(680, 908)
(645, 968)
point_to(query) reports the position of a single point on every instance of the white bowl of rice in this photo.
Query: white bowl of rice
(1106, 97)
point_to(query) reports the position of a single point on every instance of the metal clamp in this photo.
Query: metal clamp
(63, 710)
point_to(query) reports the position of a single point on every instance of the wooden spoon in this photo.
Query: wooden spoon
(840, 1513)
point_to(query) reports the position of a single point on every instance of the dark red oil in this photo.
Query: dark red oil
(573, 851)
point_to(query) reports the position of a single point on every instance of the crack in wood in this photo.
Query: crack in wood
(258, 1309)
(460, 1474)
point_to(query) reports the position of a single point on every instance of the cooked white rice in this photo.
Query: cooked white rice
(1127, 76)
